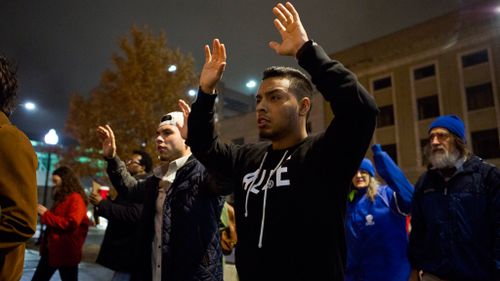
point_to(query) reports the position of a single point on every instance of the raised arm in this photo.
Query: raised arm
(293, 34)
(215, 64)
(117, 170)
(394, 177)
(107, 137)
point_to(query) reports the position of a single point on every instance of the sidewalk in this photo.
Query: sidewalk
(92, 271)
(88, 270)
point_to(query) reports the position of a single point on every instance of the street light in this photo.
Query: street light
(191, 93)
(251, 84)
(29, 106)
(51, 138)
(172, 68)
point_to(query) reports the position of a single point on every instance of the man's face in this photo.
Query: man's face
(441, 141)
(276, 109)
(361, 179)
(444, 153)
(169, 143)
(134, 165)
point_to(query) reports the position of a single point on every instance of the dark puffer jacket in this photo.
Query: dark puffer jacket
(456, 223)
(190, 239)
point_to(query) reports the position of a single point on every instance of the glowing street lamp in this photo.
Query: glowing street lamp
(191, 93)
(172, 68)
(251, 84)
(51, 139)
(29, 106)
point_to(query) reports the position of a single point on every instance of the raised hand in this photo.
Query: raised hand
(215, 63)
(293, 34)
(186, 109)
(108, 141)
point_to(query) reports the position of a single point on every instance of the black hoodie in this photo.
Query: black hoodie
(293, 230)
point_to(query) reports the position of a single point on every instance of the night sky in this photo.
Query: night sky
(62, 47)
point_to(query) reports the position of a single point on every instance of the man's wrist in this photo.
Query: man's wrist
(207, 90)
(304, 46)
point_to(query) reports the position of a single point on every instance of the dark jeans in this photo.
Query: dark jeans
(44, 271)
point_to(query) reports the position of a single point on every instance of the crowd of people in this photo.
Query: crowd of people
(306, 207)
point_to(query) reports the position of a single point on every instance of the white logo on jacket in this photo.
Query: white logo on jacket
(277, 180)
(369, 220)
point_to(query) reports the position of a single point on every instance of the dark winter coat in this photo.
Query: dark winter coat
(190, 237)
(456, 223)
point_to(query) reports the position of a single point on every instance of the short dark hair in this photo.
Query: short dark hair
(8, 86)
(146, 160)
(300, 85)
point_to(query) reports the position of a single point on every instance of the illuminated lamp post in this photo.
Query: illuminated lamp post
(51, 139)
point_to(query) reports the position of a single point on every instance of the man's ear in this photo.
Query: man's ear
(304, 106)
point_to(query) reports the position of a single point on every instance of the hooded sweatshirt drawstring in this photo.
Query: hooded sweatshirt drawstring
(264, 187)
(253, 181)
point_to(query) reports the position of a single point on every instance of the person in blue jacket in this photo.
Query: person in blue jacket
(377, 239)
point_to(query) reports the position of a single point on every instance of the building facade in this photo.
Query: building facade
(447, 65)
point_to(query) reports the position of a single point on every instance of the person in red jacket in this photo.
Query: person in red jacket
(67, 226)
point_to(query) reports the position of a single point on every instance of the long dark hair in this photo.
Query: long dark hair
(8, 86)
(69, 184)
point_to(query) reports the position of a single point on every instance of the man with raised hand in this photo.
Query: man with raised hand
(180, 235)
(290, 194)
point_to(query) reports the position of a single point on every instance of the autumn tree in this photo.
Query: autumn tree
(131, 97)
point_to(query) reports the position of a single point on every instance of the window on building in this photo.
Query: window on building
(427, 107)
(475, 58)
(423, 144)
(386, 116)
(424, 72)
(479, 96)
(485, 144)
(382, 83)
(238, 141)
(392, 150)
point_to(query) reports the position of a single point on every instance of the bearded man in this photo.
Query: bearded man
(455, 210)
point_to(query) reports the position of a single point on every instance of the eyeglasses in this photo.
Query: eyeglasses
(439, 136)
(130, 161)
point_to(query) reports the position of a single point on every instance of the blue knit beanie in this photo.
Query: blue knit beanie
(366, 165)
(452, 123)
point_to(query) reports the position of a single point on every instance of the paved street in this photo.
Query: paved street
(88, 270)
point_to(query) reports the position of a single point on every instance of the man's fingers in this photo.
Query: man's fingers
(223, 52)
(216, 49)
(281, 28)
(274, 45)
(111, 134)
(102, 132)
(293, 11)
(208, 55)
(283, 14)
(184, 107)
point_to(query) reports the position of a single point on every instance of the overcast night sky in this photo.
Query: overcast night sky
(63, 46)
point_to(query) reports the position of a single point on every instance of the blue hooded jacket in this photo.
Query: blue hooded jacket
(377, 240)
